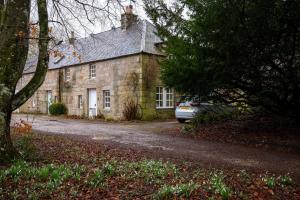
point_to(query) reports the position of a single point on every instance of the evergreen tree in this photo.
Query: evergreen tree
(245, 51)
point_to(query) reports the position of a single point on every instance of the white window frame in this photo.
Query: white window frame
(67, 74)
(92, 71)
(164, 97)
(80, 101)
(106, 100)
(159, 97)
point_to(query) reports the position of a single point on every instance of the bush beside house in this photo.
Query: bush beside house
(58, 109)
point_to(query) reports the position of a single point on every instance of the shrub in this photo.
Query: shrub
(213, 114)
(132, 110)
(58, 109)
(187, 129)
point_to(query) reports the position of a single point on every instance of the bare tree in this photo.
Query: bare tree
(15, 33)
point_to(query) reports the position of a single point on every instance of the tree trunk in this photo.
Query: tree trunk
(7, 150)
(14, 33)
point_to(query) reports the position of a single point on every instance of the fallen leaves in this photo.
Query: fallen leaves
(92, 155)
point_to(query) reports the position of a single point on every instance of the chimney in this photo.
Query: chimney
(128, 18)
(72, 38)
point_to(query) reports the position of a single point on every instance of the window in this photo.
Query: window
(34, 100)
(106, 99)
(80, 103)
(159, 97)
(92, 71)
(169, 98)
(164, 97)
(56, 99)
(67, 74)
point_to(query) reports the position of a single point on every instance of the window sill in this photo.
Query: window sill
(164, 108)
(106, 109)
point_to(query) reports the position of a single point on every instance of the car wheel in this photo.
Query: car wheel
(181, 120)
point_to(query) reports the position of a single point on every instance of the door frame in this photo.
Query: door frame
(49, 104)
(88, 101)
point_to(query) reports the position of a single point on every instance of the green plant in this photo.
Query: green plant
(58, 109)
(77, 171)
(270, 181)
(285, 180)
(42, 174)
(74, 192)
(214, 69)
(17, 170)
(109, 168)
(26, 148)
(181, 190)
(187, 129)
(213, 114)
(33, 195)
(152, 171)
(15, 194)
(62, 173)
(185, 190)
(166, 192)
(96, 179)
(218, 185)
(2, 175)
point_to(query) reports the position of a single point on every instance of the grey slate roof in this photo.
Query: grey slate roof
(139, 37)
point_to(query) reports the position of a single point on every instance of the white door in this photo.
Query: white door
(92, 102)
(49, 99)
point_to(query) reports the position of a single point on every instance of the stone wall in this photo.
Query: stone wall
(128, 78)
(38, 102)
(111, 75)
(151, 80)
(114, 75)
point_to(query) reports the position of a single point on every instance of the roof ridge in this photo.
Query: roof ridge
(143, 39)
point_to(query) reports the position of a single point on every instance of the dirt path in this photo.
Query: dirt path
(143, 136)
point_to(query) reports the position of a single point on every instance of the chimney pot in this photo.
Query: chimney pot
(128, 18)
(129, 9)
(72, 38)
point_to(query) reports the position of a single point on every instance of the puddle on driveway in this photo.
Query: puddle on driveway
(103, 138)
(243, 162)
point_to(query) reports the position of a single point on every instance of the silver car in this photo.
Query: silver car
(187, 109)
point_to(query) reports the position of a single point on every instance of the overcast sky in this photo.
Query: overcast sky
(75, 16)
(84, 28)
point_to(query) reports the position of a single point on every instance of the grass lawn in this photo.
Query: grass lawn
(57, 167)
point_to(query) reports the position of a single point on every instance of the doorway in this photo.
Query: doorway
(49, 99)
(92, 102)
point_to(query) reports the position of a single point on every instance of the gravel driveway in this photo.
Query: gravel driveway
(144, 135)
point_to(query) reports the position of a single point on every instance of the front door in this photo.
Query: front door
(49, 99)
(92, 102)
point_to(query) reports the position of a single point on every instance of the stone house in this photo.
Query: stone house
(100, 74)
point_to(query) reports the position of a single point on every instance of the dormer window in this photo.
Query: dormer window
(67, 74)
